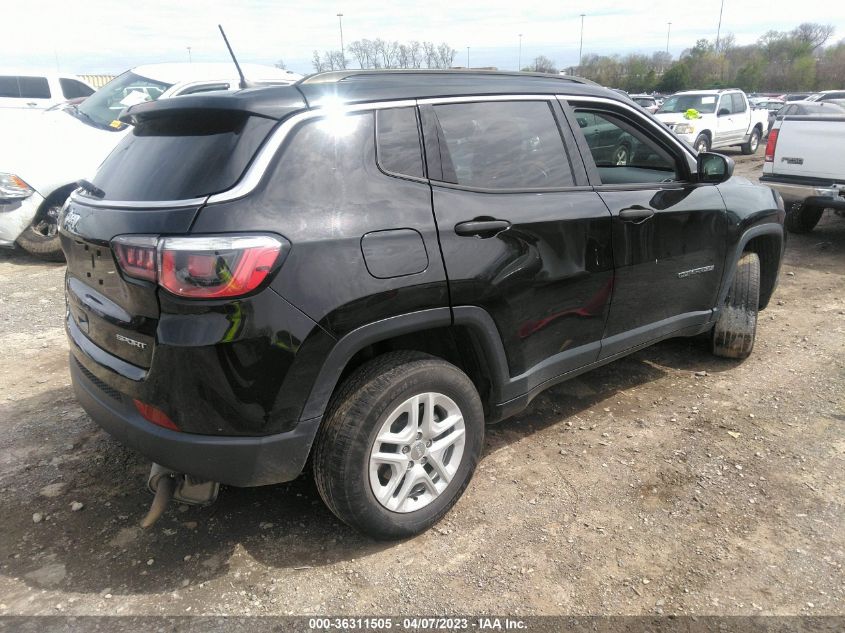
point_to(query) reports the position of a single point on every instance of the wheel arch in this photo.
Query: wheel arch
(767, 240)
(470, 341)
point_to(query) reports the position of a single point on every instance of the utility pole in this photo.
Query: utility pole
(719, 28)
(342, 54)
(581, 47)
(519, 63)
(668, 32)
(467, 56)
(189, 55)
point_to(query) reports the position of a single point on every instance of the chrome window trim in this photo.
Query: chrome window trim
(477, 98)
(258, 168)
(75, 196)
(663, 131)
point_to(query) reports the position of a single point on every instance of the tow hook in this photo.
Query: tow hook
(168, 484)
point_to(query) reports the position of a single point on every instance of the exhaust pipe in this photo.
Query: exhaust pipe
(164, 492)
(168, 484)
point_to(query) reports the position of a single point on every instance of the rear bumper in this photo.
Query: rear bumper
(16, 216)
(816, 195)
(236, 461)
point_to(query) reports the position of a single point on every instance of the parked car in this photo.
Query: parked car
(355, 272)
(805, 108)
(826, 95)
(646, 102)
(50, 152)
(33, 90)
(795, 96)
(708, 119)
(804, 162)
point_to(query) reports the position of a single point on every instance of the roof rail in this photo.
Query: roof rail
(336, 76)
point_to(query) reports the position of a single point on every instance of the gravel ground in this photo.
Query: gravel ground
(668, 482)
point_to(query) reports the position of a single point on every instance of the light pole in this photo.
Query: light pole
(467, 56)
(342, 54)
(668, 31)
(719, 28)
(189, 55)
(519, 63)
(581, 47)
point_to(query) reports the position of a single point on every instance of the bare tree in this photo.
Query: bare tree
(281, 64)
(813, 35)
(542, 64)
(317, 62)
(445, 55)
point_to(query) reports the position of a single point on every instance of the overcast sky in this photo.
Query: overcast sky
(104, 36)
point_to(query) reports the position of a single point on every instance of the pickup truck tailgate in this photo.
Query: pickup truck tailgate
(811, 146)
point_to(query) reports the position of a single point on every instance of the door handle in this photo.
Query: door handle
(636, 214)
(482, 227)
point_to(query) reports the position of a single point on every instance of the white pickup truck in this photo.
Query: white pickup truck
(709, 119)
(804, 163)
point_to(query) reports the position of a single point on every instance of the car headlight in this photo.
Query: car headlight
(684, 128)
(13, 188)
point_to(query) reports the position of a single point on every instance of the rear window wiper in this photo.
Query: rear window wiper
(91, 188)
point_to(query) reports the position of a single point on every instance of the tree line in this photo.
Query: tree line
(781, 61)
(379, 53)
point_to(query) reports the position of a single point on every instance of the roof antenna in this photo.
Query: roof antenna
(243, 83)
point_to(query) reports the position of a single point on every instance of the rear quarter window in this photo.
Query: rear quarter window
(185, 155)
(398, 142)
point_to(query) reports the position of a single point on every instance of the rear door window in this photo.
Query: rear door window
(185, 155)
(738, 102)
(398, 142)
(503, 145)
(24, 87)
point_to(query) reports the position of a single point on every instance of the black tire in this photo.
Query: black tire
(753, 143)
(41, 238)
(801, 218)
(621, 155)
(736, 328)
(354, 417)
(702, 143)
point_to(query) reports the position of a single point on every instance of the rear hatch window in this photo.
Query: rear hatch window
(183, 155)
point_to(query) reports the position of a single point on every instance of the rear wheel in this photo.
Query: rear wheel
(753, 142)
(400, 442)
(41, 238)
(736, 328)
(801, 218)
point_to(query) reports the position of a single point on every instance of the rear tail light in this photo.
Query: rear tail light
(771, 146)
(201, 267)
(137, 256)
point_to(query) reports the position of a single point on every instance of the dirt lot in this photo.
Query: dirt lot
(643, 487)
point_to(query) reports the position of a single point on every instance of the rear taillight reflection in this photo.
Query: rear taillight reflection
(202, 267)
(771, 146)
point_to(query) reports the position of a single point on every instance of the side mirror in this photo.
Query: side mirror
(714, 168)
(723, 112)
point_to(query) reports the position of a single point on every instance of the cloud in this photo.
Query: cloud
(104, 36)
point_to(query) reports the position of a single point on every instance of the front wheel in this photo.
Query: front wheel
(399, 445)
(753, 142)
(621, 155)
(736, 328)
(41, 238)
(702, 143)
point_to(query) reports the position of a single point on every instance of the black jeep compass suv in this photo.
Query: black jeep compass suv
(356, 271)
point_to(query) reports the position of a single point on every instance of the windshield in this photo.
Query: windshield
(103, 107)
(644, 101)
(706, 104)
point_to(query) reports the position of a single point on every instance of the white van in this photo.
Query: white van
(33, 90)
(44, 158)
